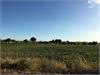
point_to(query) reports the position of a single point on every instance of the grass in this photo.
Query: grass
(50, 58)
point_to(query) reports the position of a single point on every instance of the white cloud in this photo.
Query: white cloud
(93, 3)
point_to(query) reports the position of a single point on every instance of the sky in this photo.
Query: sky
(73, 20)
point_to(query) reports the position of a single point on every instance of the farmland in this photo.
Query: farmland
(49, 58)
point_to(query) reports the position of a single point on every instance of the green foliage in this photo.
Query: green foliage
(33, 39)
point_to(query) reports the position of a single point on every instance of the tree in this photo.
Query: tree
(84, 43)
(58, 41)
(25, 41)
(45, 42)
(52, 41)
(68, 42)
(13, 41)
(95, 43)
(0, 40)
(8, 40)
(33, 39)
(63, 42)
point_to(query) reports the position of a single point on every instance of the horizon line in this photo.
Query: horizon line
(50, 40)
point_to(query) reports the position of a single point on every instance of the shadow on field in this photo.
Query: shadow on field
(45, 66)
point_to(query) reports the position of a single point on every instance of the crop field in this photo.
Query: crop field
(49, 58)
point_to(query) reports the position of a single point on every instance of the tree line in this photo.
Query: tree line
(9, 40)
(58, 41)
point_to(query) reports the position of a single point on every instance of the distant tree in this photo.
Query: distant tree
(63, 42)
(89, 43)
(0, 40)
(68, 42)
(58, 41)
(33, 39)
(8, 40)
(77, 43)
(25, 41)
(13, 41)
(45, 42)
(52, 41)
(94, 43)
(84, 43)
(74, 43)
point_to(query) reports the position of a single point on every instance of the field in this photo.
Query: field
(50, 58)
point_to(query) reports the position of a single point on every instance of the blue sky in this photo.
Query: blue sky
(47, 20)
